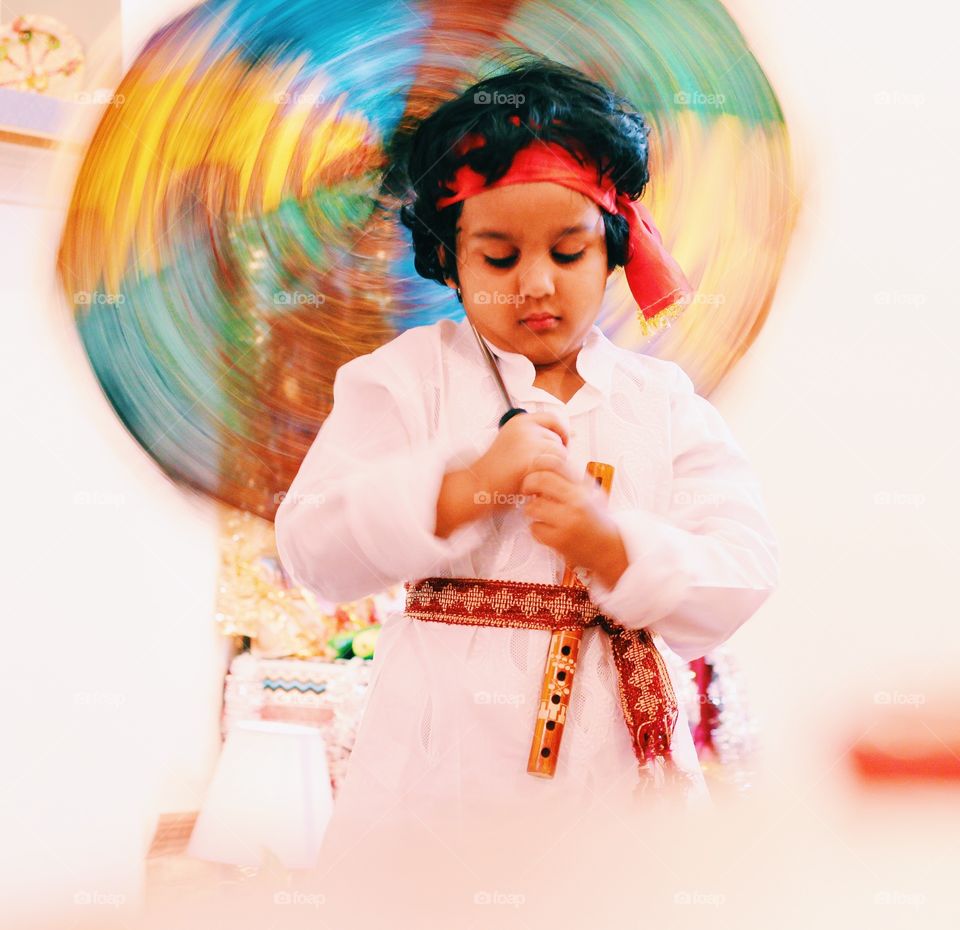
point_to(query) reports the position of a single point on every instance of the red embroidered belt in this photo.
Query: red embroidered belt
(646, 693)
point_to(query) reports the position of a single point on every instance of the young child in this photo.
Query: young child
(523, 193)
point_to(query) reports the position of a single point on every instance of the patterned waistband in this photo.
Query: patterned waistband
(647, 698)
(495, 602)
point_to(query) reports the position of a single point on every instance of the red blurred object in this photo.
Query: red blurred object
(709, 711)
(911, 743)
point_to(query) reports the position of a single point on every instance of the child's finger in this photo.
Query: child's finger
(564, 469)
(549, 421)
(546, 483)
(543, 510)
(548, 461)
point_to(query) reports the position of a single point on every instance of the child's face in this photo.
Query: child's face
(516, 260)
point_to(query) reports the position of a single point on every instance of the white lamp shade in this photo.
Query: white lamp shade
(271, 789)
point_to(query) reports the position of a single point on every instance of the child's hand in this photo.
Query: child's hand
(569, 513)
(514, 453)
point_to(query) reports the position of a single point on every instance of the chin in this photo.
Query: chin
(540, 354)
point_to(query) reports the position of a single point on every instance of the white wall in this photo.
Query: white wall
(141, 18)
(847, 403)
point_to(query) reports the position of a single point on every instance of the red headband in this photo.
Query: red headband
(656, 281)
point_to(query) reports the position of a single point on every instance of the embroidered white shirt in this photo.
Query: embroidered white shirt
(360, 516)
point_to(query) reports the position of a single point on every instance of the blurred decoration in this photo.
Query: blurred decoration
(327, 695)
(38, 53)
(257, 600)
(724, 732)
(912, 738)
(233, 235)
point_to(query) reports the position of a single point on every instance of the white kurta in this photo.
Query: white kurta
(451, 709)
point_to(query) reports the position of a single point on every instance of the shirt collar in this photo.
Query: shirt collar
(595, 364)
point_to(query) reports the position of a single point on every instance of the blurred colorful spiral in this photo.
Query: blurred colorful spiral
(233, 239)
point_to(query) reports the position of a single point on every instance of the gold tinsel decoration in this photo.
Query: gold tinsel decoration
(257, 599)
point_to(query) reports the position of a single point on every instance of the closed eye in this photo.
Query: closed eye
(501, 262)
(561, 258)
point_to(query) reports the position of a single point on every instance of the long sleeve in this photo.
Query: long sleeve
(699, 570)
(361, 513)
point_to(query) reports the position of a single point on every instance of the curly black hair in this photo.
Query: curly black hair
(562, 103)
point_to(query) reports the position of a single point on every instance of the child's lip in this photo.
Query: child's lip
(540, 316)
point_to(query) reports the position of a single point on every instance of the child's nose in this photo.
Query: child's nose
(536, 280)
